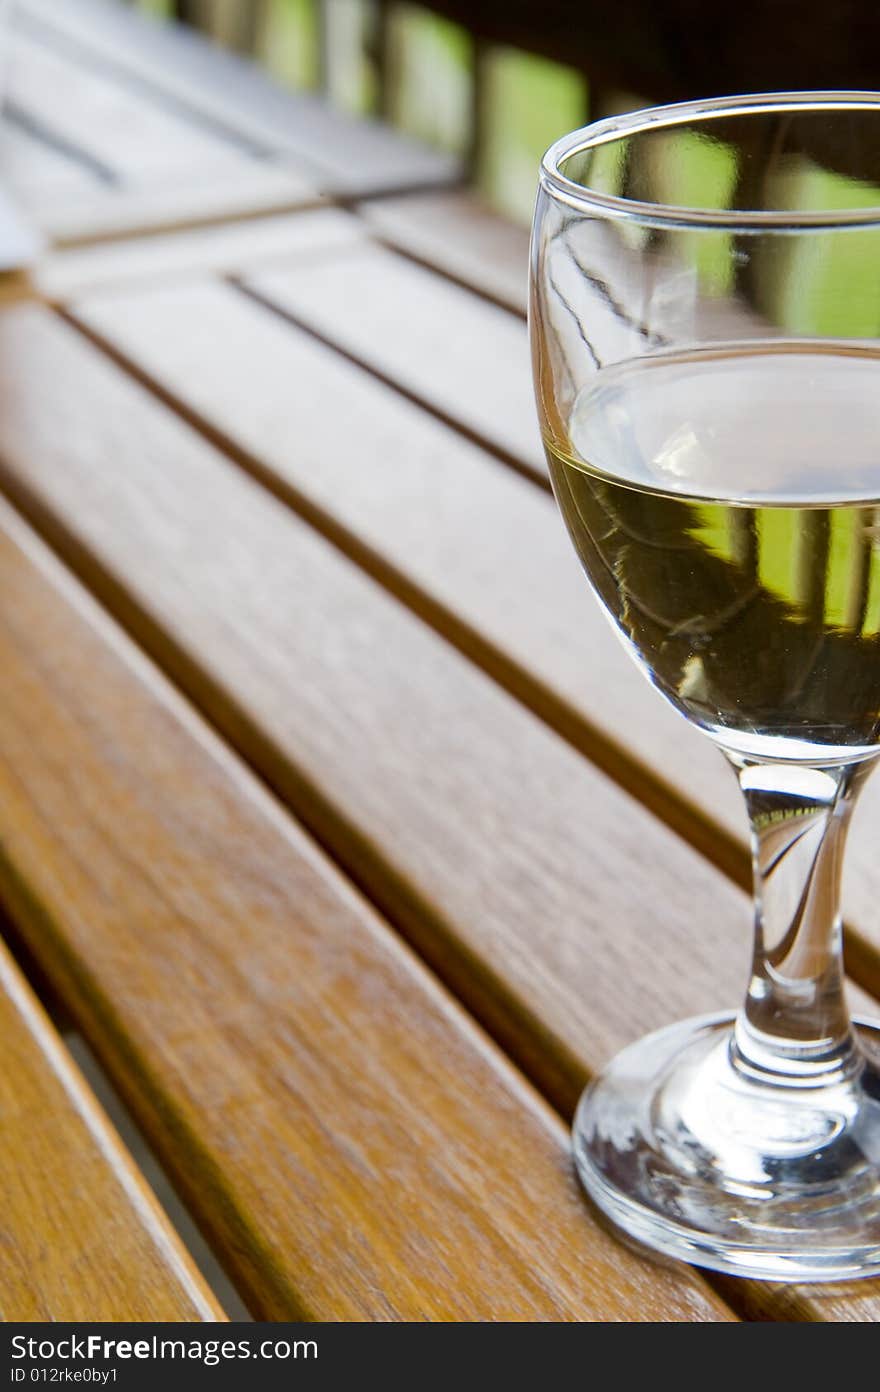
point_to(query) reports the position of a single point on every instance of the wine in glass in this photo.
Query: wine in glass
(705, 320)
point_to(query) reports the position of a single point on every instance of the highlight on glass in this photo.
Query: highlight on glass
(705, 323)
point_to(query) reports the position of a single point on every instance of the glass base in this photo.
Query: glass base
(698, 1160)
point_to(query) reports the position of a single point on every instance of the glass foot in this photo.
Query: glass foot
(700, 1161)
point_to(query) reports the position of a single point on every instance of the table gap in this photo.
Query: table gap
(156, 1176)
(198, 222)
(112, 1104)
(454, 183)
(46, 993)
(540, 480)
(35, 128)
(384, 239)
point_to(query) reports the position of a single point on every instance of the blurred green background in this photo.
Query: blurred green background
(525, 100)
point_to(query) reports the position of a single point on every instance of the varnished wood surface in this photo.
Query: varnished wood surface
(82, 1236)
(440, 521)
(246, 604)
(355, 1146)
(465, 358)
(456, 233)
(526, 878)
(370, 640)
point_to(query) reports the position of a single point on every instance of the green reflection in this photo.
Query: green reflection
(692, 171)
(829, 286)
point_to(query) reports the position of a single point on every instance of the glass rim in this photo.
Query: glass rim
(613, 128)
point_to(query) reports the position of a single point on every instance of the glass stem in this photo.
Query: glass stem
(794, 1028)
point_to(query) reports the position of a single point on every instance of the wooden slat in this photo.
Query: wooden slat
(106, 211)
(83, 1236)
(116, 127)
(525, 876)
(347, 155)
(151, 181)
(227, 247)
(355, 1146)
(463, 357)
(457, 529)
(457, 233)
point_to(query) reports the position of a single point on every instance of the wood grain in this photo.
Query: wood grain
(82, 1236)
(562, 911)
(477, 550)
(224, 248)
(382, 339)
(356, 1148)
(454, 231)
(247, 605)
(234, 97)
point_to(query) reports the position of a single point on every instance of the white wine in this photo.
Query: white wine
(725, 504)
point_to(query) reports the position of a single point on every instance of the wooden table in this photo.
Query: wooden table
(331, 812)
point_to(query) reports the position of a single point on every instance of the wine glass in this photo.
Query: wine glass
(705, 323)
